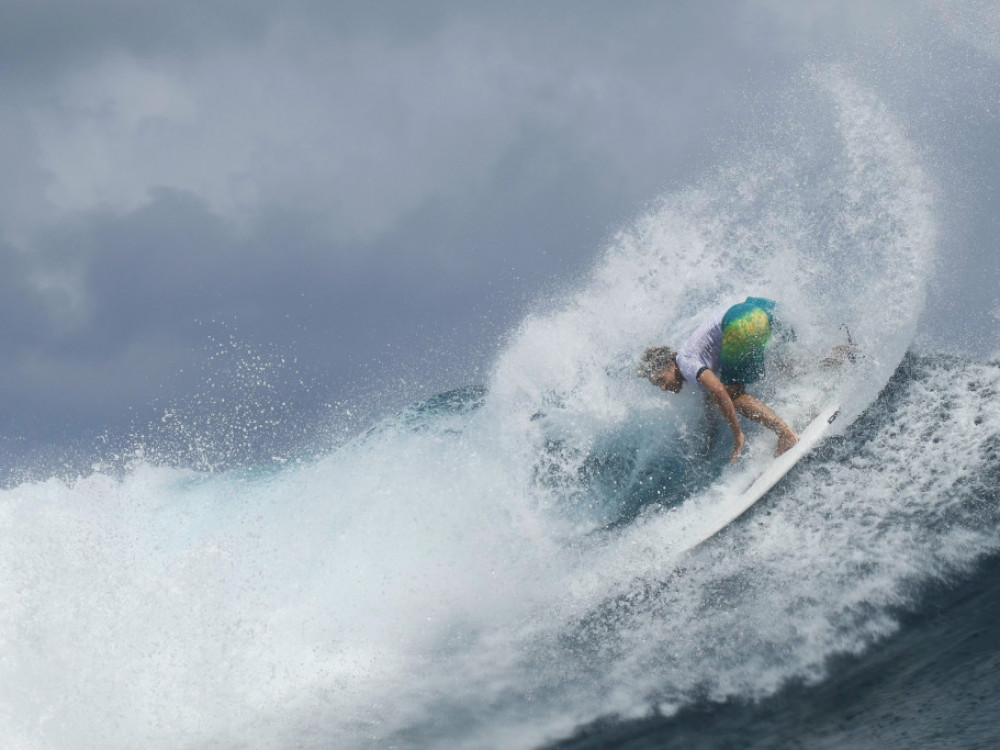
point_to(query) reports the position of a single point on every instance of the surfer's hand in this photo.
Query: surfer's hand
(738, 448)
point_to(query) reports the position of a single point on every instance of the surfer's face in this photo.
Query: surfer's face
(668, 379)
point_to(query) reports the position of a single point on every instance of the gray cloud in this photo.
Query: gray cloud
(365, 127)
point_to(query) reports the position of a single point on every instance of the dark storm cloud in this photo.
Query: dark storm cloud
(152, 285)
(359, 118)
(42, 37)
(414, 178)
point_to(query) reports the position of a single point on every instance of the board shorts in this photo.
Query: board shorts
(746, 331)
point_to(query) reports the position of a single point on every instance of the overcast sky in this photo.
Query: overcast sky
(375, 192)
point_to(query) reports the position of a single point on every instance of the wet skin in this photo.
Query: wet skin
(731, 400)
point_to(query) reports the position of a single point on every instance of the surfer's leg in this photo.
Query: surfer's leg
(756, 411)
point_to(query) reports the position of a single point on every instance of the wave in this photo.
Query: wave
(499, 566)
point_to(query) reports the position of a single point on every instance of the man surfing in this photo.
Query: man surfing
(724, 356)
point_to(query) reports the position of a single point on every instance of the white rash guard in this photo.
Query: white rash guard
(702, 350)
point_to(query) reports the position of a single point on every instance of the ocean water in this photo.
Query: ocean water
(504, 565)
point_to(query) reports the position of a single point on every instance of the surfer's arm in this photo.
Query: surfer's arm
(717, 391)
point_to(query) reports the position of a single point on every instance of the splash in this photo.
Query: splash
(494, 568)
(839, 227)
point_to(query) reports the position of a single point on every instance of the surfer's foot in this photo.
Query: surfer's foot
(785, 442)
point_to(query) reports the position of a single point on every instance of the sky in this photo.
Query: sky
(333, 203)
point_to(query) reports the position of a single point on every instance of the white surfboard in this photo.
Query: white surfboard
(739, 504)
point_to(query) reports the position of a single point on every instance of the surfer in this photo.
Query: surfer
(724, 356)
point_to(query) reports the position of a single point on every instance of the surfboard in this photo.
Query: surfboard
(739, 504)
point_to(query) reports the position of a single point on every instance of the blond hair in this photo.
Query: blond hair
(654, 360)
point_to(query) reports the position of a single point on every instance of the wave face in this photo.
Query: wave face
(499, 566)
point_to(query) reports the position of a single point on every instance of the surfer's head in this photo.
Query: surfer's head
(659, 366)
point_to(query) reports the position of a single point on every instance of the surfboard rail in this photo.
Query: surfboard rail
(730, 510)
